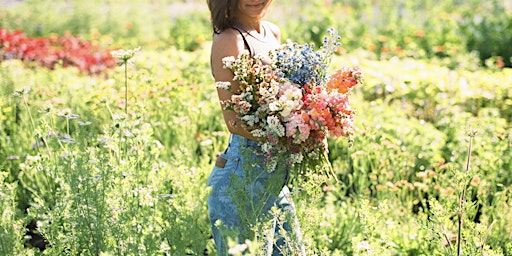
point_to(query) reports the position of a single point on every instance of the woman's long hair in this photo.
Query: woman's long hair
(222, 14)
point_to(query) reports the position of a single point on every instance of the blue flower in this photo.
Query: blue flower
(301, 64)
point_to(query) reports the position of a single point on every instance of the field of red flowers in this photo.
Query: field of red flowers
(66, 50)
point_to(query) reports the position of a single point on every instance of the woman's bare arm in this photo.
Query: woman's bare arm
(228, 43)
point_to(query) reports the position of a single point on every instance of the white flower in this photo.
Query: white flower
(247, 96)
(314, 154)
(275, 126)
(293, 93)
(275, 106)
(258, 133)
(274, 87)
(271, 165)
(268, 93)
(238, 249)
(296, 158)
(363, 246)
(245, 52)
(266, 147)
(288, 107)
(124, 55)
(251, 120)
(223, 85)
(228, 62)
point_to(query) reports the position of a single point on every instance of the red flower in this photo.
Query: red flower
(68, 50)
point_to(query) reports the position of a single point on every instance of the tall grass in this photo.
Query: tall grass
(118, 164)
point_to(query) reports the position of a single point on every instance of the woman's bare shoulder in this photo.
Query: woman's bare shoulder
(226, 43)
(226, 35)
(274, 28)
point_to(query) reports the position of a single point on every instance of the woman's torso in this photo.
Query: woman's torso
(260, 43)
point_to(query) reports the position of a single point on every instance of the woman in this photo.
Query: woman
(243, 192)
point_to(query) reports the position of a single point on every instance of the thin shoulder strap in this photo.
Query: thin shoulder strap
(245, 40)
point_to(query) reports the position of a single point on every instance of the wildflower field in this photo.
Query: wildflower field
(105, 159)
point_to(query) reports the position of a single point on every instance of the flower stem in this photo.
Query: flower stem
(126, 87)
(462, 197)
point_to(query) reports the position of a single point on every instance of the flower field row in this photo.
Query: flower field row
(72, 157)
(66, 50)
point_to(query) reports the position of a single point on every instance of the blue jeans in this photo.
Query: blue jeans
(243, 193)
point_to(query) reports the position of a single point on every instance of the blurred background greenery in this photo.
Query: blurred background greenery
(424, 29)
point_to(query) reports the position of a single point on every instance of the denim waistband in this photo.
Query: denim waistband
(237, 141)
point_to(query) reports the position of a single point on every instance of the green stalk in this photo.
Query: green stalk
(29, 114)
(125, 103)
(126, 87)
(462, 197)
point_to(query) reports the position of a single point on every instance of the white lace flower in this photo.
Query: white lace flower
(228, 62)
(223, 85)
(258, 133)
(266, 147)
(250, 120)
(275, 126)
(296, 158)
(247, 96)
(271, 165)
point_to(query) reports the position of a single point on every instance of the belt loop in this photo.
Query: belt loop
(229, 143)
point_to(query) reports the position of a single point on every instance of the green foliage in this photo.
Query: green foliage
(141, 177)
(11, 222)
(409, 145)
(188, 32)
(98, 180)
(426, 29)
(488, 34)
(110, 23)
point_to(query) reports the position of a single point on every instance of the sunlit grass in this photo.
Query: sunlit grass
(153, 191)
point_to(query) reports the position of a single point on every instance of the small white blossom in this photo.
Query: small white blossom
(363, 246)
(237, 249)
(269, 93)
(275, 106)
(251, 120)
(223, 85)
(258, 133)
(271, 165)
(314, 154)
(247, 96)
(228, 62)
(245, 52)
(275, 125)
(124, 55)
(266, 147)
(296, 158)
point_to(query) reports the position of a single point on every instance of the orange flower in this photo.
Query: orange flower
(419, 33)
(439, 48)
(382, 38)
(344, 79)
(372, 47)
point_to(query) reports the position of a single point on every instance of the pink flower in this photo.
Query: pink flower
(297, 128)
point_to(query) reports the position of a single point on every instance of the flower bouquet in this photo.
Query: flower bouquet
(293, 104)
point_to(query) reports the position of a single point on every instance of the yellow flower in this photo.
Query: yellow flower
(475, 181)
